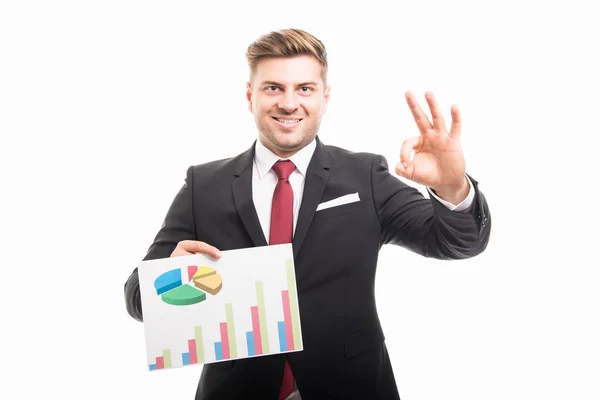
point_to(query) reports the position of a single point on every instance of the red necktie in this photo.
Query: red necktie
(282, 226)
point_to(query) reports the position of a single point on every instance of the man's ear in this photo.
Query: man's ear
(249, 96)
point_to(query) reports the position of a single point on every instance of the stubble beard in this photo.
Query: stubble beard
(287, 144)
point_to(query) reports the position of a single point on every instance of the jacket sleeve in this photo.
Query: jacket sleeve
(178, 225)
(425, 226)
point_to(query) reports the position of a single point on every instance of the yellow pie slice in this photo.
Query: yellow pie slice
(203, 271)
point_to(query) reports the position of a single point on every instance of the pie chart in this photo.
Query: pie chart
(186, 286)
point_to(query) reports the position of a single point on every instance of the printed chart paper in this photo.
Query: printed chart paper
(199, 311)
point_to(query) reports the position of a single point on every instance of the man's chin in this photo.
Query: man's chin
(288, 143)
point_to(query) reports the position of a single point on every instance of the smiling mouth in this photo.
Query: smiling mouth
(288, 121)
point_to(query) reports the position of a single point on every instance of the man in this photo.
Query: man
(256, 199)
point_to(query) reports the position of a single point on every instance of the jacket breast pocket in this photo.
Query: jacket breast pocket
(338, 211)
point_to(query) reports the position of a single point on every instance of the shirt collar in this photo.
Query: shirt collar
(265, 158)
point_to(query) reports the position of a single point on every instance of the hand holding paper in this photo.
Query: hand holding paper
(187, 247)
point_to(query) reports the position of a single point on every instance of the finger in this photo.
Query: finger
(417, 112)
(195, 246)
(436, 112)
(407, 147)
(178, 252)
(405, 172)
(455, 128)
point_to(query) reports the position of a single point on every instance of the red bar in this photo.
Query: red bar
(256, 330)
(160, 363)
(225, 340)
(191, 271)
(287, 319)
(192, 350)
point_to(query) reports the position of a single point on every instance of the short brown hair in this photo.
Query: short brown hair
(286, 43)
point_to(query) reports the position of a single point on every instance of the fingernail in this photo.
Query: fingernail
(405, 164)
(218, 254)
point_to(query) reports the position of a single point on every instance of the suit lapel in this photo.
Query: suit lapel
(317, 175)
(242, 197)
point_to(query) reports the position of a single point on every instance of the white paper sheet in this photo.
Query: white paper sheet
(236, 322)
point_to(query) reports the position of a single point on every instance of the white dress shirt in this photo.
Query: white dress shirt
(264, 180)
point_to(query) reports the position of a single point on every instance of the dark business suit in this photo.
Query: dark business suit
(335, 255)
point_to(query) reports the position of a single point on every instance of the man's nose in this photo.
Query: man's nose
(288, 102)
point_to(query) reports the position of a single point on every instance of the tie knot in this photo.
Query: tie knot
(284, 168)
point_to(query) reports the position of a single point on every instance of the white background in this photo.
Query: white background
(104, 104)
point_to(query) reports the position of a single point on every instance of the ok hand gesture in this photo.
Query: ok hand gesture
(438, 160)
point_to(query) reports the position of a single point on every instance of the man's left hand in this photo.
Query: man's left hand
(438, 160)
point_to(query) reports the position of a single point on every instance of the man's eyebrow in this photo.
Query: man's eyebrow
(272, 83)
(308, 84)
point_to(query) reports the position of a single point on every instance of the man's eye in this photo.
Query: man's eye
(306, 89)
(272, 88)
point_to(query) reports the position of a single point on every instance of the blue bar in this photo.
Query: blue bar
(282, 337)
(218, 350)
(250, 342)
(185, 357)
(152, 367)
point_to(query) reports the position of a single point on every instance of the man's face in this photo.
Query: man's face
(288, 98)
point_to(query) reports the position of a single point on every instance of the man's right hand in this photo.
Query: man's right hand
(187, 247)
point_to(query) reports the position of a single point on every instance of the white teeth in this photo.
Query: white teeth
(288, 121)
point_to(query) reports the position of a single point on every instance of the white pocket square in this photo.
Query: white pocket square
(349, 198)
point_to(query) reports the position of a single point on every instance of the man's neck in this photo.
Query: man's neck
(281, 153)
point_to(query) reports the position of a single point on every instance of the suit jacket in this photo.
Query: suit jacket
(335, 256)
